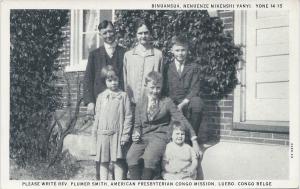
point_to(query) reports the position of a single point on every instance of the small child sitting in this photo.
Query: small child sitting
(179, 160)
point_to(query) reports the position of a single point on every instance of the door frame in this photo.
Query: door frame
(239, 105)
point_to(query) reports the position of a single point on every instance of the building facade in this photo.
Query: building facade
(256, 111)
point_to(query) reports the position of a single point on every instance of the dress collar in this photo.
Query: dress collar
(113, 95)
(148, 52)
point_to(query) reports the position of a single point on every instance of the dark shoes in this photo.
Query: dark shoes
(136, 173)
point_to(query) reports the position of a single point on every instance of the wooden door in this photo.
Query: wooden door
(267, 65)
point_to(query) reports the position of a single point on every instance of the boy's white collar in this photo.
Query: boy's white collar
(151, 99)
(178, 63)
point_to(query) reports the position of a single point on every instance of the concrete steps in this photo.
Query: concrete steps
(79, 142)
(225, 160)
(236, 160)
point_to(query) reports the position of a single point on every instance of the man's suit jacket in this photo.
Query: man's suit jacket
(159, 126)
(93, 83)
(178, 87)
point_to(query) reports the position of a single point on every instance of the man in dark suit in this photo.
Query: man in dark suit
(182, 84)
(108, 54)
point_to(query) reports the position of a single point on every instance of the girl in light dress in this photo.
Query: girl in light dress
(111, 129)
(179, 160)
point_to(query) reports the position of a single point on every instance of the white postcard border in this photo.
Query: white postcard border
(291, 5)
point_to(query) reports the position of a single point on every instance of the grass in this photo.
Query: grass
(67, 168)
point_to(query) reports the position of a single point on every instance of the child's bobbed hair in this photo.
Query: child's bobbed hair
(176, 125)
(108, 72)
(155, 77)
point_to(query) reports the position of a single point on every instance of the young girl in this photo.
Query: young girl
(113, 121)
(179, 160)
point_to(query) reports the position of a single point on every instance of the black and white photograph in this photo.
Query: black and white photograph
(185, 94)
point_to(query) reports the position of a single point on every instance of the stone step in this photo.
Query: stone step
(79, 143)
(79, 146)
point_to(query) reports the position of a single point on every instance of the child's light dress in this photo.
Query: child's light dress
(177, 159)
(113, 122)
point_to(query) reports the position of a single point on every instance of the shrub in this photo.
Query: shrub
(209, 46)
(36, 39)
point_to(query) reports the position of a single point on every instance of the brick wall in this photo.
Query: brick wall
(218, 118)
(73, 78)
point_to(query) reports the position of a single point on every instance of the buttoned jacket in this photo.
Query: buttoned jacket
(178, 87)
(93, 83)
(159, 126)
(136, 67)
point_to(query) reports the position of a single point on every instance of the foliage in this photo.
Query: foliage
(59, 131)
(36, 39)
(209, 46)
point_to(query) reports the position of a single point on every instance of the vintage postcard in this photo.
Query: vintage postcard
(149, 94)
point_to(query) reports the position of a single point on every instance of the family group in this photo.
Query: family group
(147, 113)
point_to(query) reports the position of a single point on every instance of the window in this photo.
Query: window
(85, 36)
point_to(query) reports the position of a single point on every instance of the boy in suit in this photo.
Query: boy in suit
(151, 127)
(108, 54)
(182, 84)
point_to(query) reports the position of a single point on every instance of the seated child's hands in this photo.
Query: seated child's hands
(123, 143)
(124, 140)
(136, 136)
(187, 170)
(171, 168)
